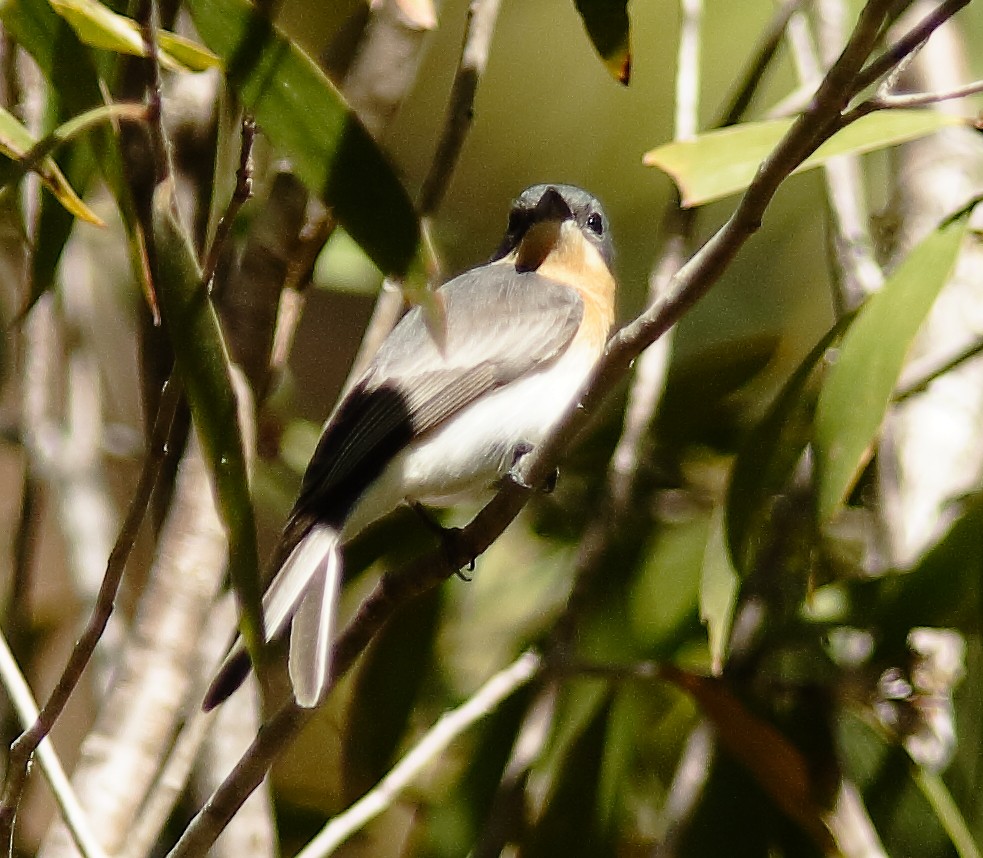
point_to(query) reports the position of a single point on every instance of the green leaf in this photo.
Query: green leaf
(723, 162)
(306, 118)
(610, 30)
(99, 26)
(769, 454)
(73, 88)
(858, 388)
(204, 368)
(17, 143)
(719, 586)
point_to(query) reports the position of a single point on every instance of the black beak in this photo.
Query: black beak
(552, 206)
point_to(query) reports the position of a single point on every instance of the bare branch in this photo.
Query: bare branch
(908, 43)
(920, 99)
(240, 195)
(482, 15)
(22, 749)
(27, 712)
(450, 725)
(859, 274)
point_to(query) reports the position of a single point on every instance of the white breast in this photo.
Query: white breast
(474, 449)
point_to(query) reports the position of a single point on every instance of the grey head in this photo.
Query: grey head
(558, 202)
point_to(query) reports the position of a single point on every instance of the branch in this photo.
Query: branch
(240, 195)
(482, 15)
(25, 746)
(859, 274)
(908, 43)
(450, 725)
(27, 712)
(914, 99)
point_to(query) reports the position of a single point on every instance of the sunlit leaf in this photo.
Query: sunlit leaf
(74, 88)
(609, 29)
(188, 53)
(723, 162)
(204, 368)
(858, 387)
(16, 142)
(101, 27)
(306, 118)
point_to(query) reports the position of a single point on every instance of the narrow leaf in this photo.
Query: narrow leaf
(858, 388)
(73, 89)
(718, 592)
(609, 29)
(202, 361)
(723, 162)
(99, 26)
(306, 118)
(16, 142)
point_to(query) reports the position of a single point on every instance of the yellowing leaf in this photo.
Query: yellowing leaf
(99, 26)
(723, 162)
(609, 29)
(16, 142)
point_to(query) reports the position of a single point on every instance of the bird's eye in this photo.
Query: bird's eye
(595, 223)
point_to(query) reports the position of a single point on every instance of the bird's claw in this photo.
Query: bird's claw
(520, 450)
(447, 537)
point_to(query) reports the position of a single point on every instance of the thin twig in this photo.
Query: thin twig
(482, 15)
(448, 727)
(19, 693)
(764, 56)
(22, 749)
(913, 99)
(924, 379)
(690, 284)
(240, 195)
(478, 32)
(147, 16)
(907, 43)
(859, 274)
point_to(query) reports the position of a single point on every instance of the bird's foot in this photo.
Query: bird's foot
(520, 450)
(447, 536)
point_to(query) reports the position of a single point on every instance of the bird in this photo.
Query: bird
(432, 422)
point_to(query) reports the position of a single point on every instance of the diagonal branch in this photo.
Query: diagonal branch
(690, 284)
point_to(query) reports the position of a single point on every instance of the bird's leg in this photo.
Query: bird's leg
(520, 450)
(445, 535)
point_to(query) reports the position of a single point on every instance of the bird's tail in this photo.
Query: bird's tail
(304, 595)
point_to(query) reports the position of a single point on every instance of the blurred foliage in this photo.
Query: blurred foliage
(736, 658)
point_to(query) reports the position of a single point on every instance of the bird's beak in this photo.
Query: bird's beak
(542, 237)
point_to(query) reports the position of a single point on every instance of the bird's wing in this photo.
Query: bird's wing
(500, 325)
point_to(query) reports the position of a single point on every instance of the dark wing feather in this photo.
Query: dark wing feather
(500, 324)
